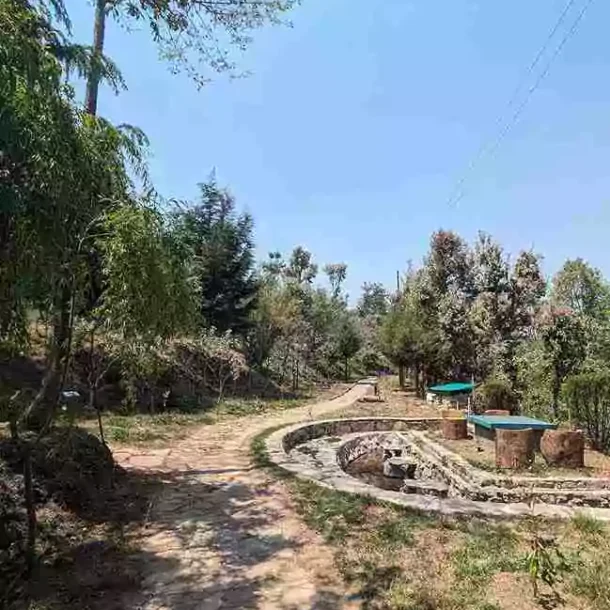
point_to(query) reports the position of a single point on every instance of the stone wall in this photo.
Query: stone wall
(341, 427)
(472, 491)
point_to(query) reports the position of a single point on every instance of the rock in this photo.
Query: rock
(563, 448)
(425, 488)
(375, 398)
(399, 468)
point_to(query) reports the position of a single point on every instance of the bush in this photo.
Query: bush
(494, 394)
(587, 398)
(12, 524)
(69, 466)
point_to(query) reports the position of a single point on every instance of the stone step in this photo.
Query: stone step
(425, 487)
(399, 468)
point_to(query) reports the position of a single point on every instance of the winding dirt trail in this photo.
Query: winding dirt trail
(222, 534)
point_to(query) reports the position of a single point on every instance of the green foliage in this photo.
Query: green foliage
(588, 525)
(464, 312)
(534, 379)
(148, 290)
(336, 273)
(564, 344)
(303, 330)
(545, 562)
(347, 340)
(223, 249)
(591, 576)
(486, 550)
(494, 394)
(374, 300)
(62, 170)
(581, 288)
(587, 398)
(402, 335)
(300, 267)
(191, 35)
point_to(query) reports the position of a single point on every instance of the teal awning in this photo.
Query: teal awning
(452, 388)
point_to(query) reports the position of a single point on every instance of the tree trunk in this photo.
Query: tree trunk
(28, 489)
(556, 390)
(514, 448)
(346, 370)
(416, 378)
(454, 428)
(401, 376)
(93, 82)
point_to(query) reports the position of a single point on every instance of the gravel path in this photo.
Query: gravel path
(222, 534)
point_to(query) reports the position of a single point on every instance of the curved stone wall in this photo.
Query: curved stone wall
(479, 492)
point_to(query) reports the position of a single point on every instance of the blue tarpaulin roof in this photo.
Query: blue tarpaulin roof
(452, 388)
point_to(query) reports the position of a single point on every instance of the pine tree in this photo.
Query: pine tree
(223, 247)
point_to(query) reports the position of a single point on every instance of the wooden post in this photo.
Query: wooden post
(454, 428)
(514, 448)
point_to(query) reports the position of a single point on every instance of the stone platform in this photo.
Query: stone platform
(472, 491)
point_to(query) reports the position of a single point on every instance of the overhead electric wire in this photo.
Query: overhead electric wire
(513, 98)
(492, 146)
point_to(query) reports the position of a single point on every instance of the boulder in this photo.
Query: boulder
(563, 448)
(399, 468)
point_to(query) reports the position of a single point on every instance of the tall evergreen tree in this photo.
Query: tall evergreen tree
(222, 243)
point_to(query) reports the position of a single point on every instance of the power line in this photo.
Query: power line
(492, 146)
(513, 98)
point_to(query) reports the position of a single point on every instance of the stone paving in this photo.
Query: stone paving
(327, 471)
(222, 535)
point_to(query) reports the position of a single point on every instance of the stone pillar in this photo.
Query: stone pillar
(515, 448)
(563, 448)
(454, 428)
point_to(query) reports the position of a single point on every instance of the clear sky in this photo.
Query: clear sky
(356, 123)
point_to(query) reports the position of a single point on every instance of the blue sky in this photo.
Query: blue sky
(356, 123)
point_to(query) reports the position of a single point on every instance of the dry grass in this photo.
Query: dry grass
(394, 559)
(162, 429)
(395, 403)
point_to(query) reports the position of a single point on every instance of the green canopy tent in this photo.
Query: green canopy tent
(448, 389)
(457, 392)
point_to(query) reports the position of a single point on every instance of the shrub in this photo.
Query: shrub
(12, 524)
(494, 394)
(69, 465)
(587, 397)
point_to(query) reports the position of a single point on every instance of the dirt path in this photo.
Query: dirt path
(224, 535)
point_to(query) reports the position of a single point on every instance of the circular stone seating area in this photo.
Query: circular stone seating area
(321, 450)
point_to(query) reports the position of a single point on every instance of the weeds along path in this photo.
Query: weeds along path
(223, 534)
